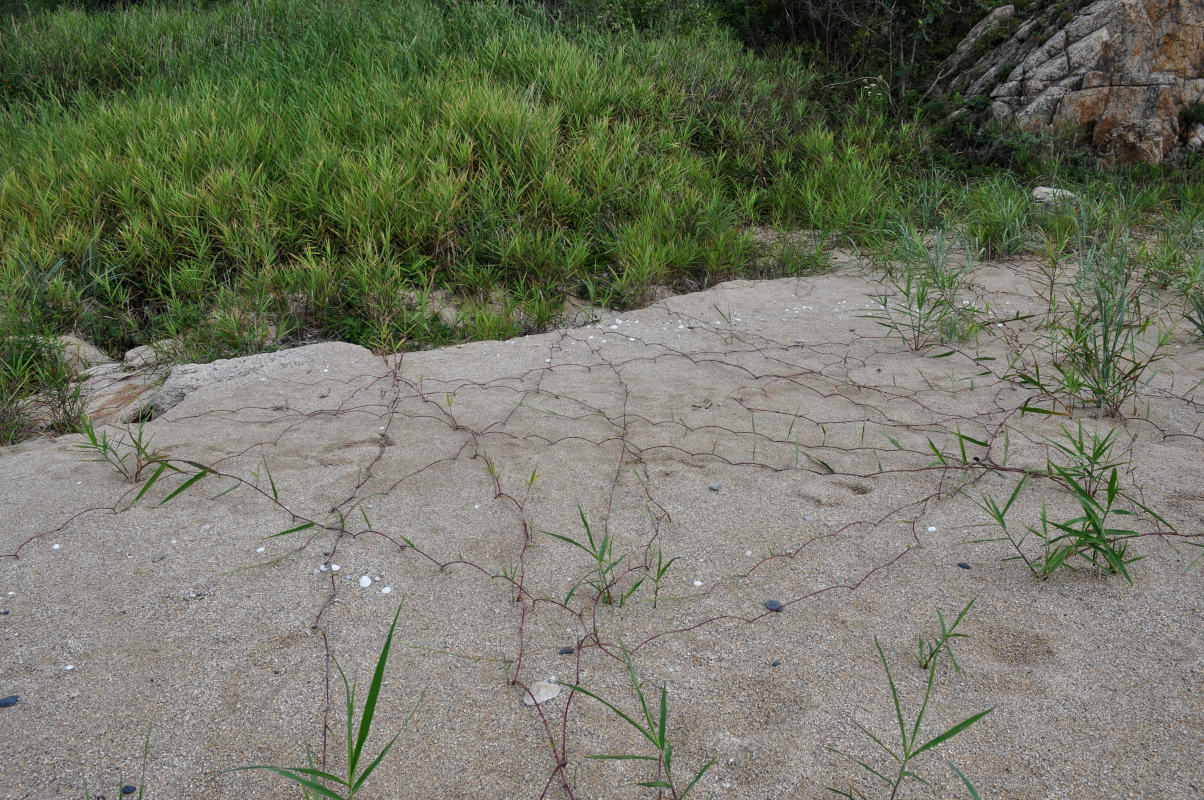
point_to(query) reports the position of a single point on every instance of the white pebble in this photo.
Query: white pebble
(932, 529)
(55, 547)
(263, 380)
(79, 483)
(386, 590)
(69, 667)
(334, 567)
(748, 552)
(365, 581)
(698, 583)
(260, 549)
(323, 568)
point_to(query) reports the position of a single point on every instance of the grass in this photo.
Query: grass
(653, 728)
(320, 783)
(909, 748)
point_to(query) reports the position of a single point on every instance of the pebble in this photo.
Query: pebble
(565, 651)
(365, 581)
(127, 789)
(932, 529)
(541, 692)
(335, 567)
(386, 590)
(10, 701)
(776, 663)
(260, 549)
(773, 605)
(963, 565)
(714, 487)
(698, 583)
(69, 667)
(56, 547)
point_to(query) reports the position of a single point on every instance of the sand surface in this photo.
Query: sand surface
(765, 434)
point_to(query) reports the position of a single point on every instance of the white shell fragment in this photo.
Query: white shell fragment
(365, 581)
(541, 692)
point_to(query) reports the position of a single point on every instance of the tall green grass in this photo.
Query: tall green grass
(316, 163)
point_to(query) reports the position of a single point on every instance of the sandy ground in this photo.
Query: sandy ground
(765, 434)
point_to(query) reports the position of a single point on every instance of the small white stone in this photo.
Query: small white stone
(748, 553)
(260, 549)
(323, 568)
(334, 568)
(69, 667)
(55, 547)
(932, 529)
(365, 581)
(79, 483)
(263, 380)
(541, 692)
(386, 590)
(698, 583)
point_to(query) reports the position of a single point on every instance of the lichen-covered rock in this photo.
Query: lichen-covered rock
(1120, 71)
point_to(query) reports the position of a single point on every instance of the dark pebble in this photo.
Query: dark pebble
(963, 565)
(776, 664)
(3, 611)
(773, 605)
(127, 789)
(11, 700)
(565, 651)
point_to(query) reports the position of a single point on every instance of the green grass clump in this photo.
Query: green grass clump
(240, 176)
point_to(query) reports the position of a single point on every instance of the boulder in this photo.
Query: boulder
(79, 355)
(1121, 72)
(1051, 197)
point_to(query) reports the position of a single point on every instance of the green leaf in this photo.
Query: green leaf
(186, 484)
(373, 693)
(954, 731)
(306, 526)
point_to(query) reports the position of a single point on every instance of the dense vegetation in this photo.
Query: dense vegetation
(244, 175)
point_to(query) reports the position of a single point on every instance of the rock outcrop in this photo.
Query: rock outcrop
(1127, 73)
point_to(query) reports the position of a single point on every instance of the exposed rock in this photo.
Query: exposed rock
(114, 395)
(79, 355)
(579, 311)
(1118, 71)
(1052, 197)
(160, 352)
(1195, 137)
(186, 378)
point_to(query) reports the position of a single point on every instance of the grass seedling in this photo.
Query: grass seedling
(907, 749)
(930, 650)
(601, 578)
(658, 574)
(656, 731)
(316, 782)
(130, 454)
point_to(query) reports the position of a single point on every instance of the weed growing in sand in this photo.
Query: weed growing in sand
(1100, 358)
(930, 649)
(656, 731)
(1093, 479)
(924, 306)
(658, 574)
(328, 785)
(1195, 312)
(130, 454)
(601, 577)
(907, 749)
